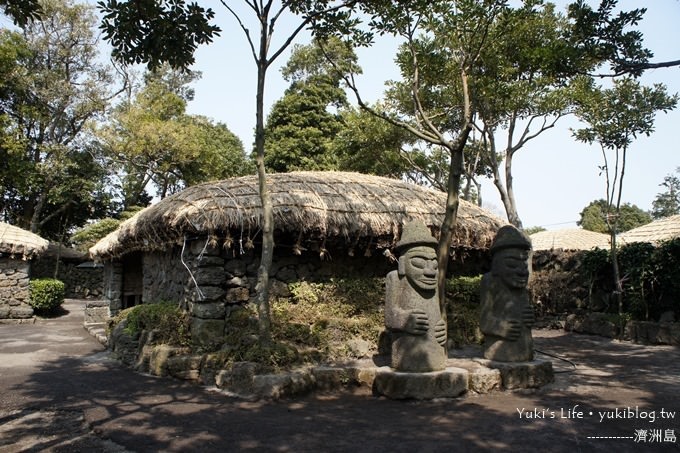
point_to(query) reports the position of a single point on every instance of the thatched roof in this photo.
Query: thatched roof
(319, 205)
(569, 239)
(654, 232)
(18, 243)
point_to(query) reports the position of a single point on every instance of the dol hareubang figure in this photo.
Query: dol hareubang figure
(412, 312)
(506, 314)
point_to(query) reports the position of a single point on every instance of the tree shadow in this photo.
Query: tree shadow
(145, 413)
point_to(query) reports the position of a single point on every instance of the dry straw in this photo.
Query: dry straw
(319, 205)
(18, 243)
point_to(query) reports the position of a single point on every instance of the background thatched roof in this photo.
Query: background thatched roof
(19, 243)
(655, 232)
(569, 239)
(312, 204)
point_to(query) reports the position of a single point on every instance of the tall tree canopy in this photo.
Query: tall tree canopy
(667, 203)
(150, 141)
(53, 85)
(594, 217)
(302, 125)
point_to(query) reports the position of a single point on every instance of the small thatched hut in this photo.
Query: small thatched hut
(17, 248)
(201, 245)
(654, 232)
(569, 239)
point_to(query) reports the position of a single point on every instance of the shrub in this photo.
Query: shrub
(46, 294)
(170, 323)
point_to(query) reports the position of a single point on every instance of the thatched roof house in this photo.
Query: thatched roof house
(199, 247)
(309, 205)
(654, 232)
(18, 243)
(569, 239)
(17, 248)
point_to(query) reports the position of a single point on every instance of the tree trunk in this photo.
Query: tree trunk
(509, 202)
(262, 298)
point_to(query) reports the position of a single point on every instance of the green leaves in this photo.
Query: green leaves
(154, 32)
(46, 294)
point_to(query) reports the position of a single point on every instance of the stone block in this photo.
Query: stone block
(209, 275)
(185, 367)
(210, 293)
(206, 332)
(4, 311)
(158, 359)
(448, 383)
(210, 310)
(208, 261)
(522, 375)
(236, 267)
(275, 386)
(240, 379)
(21, 312)
(238, 295)
(331, 378)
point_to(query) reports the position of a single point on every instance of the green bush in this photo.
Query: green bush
(46, 294)
(166, 319)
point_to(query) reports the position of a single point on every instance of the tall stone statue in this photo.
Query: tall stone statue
(506, 314)
(412, 312)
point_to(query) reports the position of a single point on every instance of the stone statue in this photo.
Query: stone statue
(506, 314)
(412, 312)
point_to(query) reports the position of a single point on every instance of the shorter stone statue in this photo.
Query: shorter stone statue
(412, 312)
(506, 314)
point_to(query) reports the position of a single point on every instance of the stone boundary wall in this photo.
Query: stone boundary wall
(644, 332)
(14, 289)
(80, 283)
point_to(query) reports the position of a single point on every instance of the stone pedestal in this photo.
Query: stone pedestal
(522, 375)
(448, 383)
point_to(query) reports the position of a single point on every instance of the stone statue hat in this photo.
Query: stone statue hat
(509, 236)
(415, 233)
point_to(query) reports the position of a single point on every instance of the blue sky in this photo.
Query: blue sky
(555, 176)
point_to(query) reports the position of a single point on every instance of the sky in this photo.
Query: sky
(555, 176)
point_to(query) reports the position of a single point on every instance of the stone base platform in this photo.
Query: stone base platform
(447, 383)
(521, 375)
(461, 376)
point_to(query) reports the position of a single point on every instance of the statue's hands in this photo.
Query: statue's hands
(417, 322)
(528, 316)
(511, 330)
(440, 332)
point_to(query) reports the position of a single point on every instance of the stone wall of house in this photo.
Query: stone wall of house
(79, 282)
(165, 277)
(14, 290)
(216, 281)
(210, 282)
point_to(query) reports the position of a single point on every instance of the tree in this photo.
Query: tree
(667, 203)
(594, 217)
(368, 144)
(614, 117)
(301, 125)
(157, 32)
(55, 88)
(443, 126)
(151, 141)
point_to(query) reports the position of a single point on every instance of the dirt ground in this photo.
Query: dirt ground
(60, 392)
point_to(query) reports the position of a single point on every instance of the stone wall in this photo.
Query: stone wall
(164, 276)
(79, 282)
(14, 290)
(211, 282)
